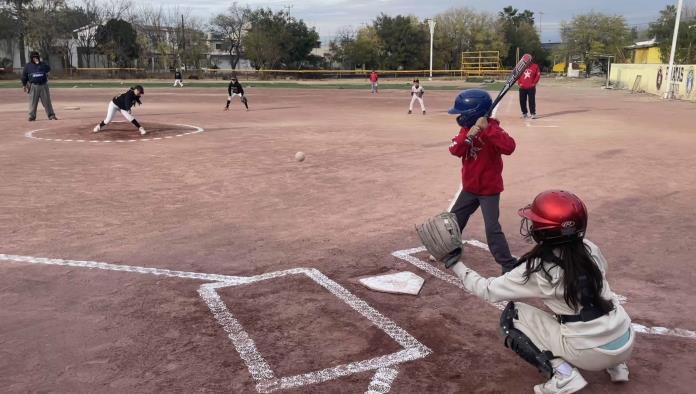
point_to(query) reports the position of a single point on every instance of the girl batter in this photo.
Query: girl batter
(124, 103)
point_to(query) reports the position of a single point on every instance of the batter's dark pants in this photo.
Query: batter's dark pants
(466, 205)
(526, 94)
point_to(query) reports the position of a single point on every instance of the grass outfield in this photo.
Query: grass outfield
(261, 84)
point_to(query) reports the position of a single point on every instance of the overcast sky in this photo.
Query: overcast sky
(330, 15)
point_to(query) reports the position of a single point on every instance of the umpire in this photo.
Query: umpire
(35, 82)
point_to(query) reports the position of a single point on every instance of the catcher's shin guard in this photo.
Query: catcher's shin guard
(520, 343)
(442, 238)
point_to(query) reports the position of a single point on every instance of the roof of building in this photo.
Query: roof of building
(643, 44)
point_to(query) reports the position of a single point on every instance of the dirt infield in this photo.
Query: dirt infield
(233, 203)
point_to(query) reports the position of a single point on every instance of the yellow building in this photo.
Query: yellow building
(646, 52)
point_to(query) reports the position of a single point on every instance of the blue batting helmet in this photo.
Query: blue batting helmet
(470, 105)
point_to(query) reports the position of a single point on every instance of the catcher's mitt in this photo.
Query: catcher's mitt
(442, 238)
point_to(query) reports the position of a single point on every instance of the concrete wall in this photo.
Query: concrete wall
(654, 79)
(650, 55)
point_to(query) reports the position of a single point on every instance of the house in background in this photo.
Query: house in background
(645, 52)
(219, 57)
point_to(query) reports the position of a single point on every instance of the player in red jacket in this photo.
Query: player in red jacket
(373, 80)
(481, 142)
(527, 84)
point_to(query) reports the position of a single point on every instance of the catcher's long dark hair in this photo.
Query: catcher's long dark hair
(576, 261)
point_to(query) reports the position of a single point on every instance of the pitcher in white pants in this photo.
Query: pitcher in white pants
(417, 93)
(589, 329)
(123, 103)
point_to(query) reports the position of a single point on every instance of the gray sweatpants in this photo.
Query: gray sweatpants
(40, 92)
(466, 205)
(546, 333)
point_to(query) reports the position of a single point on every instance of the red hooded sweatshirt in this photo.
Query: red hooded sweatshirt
(373, 77)
(530, 77)
(482, 163)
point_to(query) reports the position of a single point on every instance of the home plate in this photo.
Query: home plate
(399, 283)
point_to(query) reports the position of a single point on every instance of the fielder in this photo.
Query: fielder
(417, 93)
(123, 103)
(178, 80)
(527, 83)
(374, 78)
(589, 329)
(235, 89)
(480, 144)
(35, 82)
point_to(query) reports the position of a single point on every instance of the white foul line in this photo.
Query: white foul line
(258, 367)
(408, 255)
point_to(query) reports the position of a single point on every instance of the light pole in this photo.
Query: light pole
(540, 14)
(431, 24)
(670, 69)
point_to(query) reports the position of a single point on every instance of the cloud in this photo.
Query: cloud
(328, 16)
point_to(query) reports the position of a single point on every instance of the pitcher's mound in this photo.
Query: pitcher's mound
(114, 132)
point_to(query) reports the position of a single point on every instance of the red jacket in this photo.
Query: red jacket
(373, 77)
(482, 163)
(530, 77)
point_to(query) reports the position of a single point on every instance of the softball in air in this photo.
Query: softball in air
(299, 156)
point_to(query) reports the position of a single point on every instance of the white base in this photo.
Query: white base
(399, 283)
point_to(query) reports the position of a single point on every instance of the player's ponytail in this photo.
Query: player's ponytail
(575, 260)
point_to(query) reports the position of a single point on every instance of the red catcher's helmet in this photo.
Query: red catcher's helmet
(555, 217)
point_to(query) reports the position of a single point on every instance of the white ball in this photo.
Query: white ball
(299, 156)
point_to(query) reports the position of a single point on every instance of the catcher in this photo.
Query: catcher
(588, 329)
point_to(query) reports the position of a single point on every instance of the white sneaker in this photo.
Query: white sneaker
(96, 128)
(618, 373)
(559, 384)
(142, 131)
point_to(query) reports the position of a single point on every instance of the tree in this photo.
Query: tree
(663, 30)
(405, 41)
(361, 49)
(50, 25)
(519, 32)
(589, 35)
(338, 47)
(117, 39)
(8, 33)
(463, 29)
(299, 41)
(18, 10)
(512, 16)
(276, 39)
(231, 26)
(85, 34)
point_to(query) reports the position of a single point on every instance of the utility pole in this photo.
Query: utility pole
(670, 69)
(431, 24)
(183, 41)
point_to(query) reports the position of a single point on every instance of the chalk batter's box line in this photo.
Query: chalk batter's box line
(258, 368)
(408, 255)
